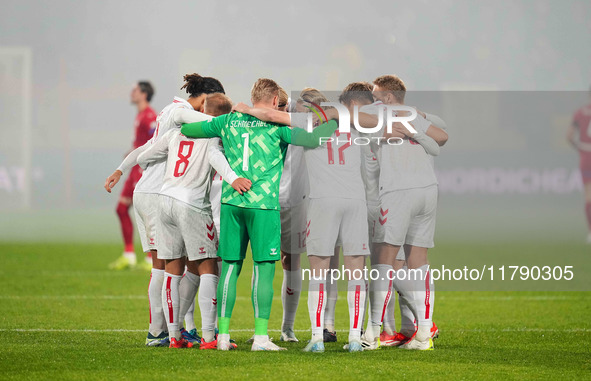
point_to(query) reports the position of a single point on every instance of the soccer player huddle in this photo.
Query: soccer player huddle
(282, 176)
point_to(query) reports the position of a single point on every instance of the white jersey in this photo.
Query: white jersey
(215, 198)
(370, 171)
(370, 168)
(408, 165)
(151, 181)
(334, 168)
(188, 168)
(294, 185)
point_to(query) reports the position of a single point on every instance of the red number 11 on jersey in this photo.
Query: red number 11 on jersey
(341, 149)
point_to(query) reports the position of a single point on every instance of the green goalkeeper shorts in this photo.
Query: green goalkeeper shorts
(239, 225)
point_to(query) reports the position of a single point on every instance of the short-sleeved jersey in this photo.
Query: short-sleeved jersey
(255, 150)
(582, 119)
(151, 181)
(144, 126)
(370, 169)
(334, 168)
(188, 173)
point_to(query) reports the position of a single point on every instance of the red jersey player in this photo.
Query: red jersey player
(144, 125)
(579, 135)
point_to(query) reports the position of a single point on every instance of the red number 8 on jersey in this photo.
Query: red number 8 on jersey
(183, 158)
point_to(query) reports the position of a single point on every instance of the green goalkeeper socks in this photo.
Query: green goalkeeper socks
(226, 294)
(262, 295)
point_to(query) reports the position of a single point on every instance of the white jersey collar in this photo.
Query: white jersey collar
(182, 101)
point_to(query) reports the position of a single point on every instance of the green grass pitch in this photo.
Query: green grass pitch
(64, 315)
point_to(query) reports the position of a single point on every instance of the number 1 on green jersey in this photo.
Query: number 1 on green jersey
(246, 137)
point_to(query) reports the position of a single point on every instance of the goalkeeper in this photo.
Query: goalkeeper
(255, 150)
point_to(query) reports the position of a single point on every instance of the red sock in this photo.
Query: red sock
(588, 211)
(126, 226)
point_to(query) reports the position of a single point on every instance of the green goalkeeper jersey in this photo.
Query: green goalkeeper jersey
(255, 150)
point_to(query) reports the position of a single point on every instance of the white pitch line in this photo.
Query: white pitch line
(490, 330)
(440, 297)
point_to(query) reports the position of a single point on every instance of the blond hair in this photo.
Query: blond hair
(359, 91)
(264, 89)
(312, 95)
(217, 104)
(393, 84)
(283, 98)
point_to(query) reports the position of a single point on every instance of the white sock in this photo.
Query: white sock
(290, 296)
(208, 305)
(187, 291)
(407, 319)
(356, 301)
(171, 302)
(422, 301)
(332, 293)
(380, 291)
(316, 306)
(389, 318)
(406, 294)
(261, 339)
(190, 317)
(157, 320)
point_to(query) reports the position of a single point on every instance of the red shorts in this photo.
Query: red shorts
(134, 176)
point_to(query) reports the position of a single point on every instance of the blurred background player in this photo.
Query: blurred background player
(579, 135)
(144, 125)
(146, 195)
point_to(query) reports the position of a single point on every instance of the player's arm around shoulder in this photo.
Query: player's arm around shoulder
(264, 114)
(300, 137)
(437, 129)
(439, 135)
(205, 129)
(421, 126)
(157, 151)
(182, 115)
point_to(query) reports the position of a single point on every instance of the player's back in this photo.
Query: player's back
(151, 181)
(188, 172)
(334, 168)
(255, 150)
(583, 120)
(406, 165)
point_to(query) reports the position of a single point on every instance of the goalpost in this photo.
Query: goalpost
(15, 127)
